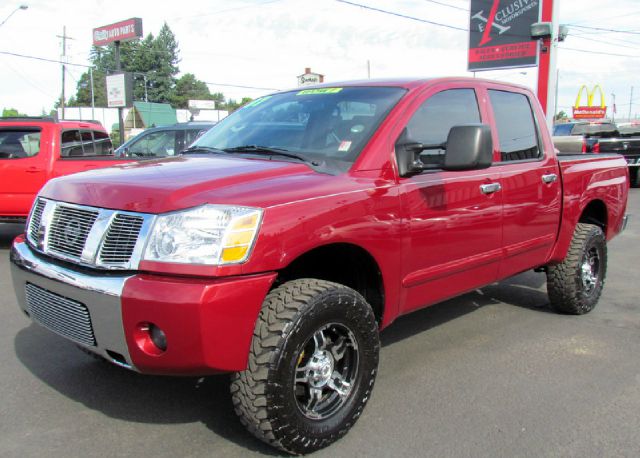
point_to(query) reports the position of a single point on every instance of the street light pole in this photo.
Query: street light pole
(21, 7)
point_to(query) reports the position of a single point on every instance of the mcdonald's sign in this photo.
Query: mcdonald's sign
(589, 111)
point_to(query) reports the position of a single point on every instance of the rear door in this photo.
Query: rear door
(530, 178)
(455, 229)
(24, 162)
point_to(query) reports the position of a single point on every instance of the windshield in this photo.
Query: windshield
(603, 129)
(330, 125)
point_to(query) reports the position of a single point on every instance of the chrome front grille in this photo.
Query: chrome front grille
(121, 239)
(61, 315)
(69, 230)
(90, 236)
(34, 222)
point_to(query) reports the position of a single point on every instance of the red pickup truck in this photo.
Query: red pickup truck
(280, 243)
(34, 150)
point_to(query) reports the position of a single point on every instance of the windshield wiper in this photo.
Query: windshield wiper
(268, 150)
(202, 149)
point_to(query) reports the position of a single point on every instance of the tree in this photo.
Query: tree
(232, 105)
(188, 87)
(11, 112)
(561, 115)
(155, 58)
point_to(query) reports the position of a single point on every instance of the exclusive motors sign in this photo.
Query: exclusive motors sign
(589, 111)
(500, 34)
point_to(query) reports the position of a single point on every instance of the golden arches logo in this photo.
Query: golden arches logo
(590, 95)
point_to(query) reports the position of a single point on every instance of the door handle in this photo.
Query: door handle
(490, 188)
(550, 178)
(34, 170)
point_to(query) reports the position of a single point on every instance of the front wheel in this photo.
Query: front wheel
(312, 366)
(575, 285)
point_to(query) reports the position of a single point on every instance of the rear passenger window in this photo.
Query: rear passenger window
(431, 123)
(71, 144)
(85, 143)
(517, 131)
(103, 144)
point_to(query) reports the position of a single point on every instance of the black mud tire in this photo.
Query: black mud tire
(570, 290)
(264, 395)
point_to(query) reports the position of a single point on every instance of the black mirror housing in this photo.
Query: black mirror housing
(469, 147)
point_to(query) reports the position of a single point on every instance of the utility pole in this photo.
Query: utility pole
(630, 103)
(93, 102)
(368, 69)
(547, 61)
(613, 108)
(64, 54)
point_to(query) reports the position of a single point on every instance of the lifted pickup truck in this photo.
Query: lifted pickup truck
(34, 150)
(289, 234)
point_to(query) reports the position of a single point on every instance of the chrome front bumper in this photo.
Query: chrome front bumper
(101, 295)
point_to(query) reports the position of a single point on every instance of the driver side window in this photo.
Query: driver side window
(430, 124)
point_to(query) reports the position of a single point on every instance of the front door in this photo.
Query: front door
(24, 164)
(453, 220)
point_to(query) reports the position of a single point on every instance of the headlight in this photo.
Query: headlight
(211, 234)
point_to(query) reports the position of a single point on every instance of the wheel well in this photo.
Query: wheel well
(595, 213)
(342, 263)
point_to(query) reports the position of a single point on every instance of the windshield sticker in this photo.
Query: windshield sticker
(257, 101)
(326, 90)
(344, 146)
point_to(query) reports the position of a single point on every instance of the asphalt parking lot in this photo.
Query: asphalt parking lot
(493, 373)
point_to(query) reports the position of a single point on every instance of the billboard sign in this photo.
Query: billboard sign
(131, 29)
(589, 111)
(500, 34)
(201, 104)
(119, 91)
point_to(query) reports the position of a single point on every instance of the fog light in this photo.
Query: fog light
(150, 339)
(158, 337)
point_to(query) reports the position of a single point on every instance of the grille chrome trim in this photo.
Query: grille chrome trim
(59, 314)
(34, 221)
(89, 236)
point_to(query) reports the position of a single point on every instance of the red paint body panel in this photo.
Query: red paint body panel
(432, 236)
(208, 323)
(22, 178)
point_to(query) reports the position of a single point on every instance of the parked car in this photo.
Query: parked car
(34, 150)
(601, 137)
(629, 146)
(280, 243)
(163, 141)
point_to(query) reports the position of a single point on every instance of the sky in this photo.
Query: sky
(266, 44)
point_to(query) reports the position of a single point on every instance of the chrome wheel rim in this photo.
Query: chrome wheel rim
(590, 270)
(326, 371)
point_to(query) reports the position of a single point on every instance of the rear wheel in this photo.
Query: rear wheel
(312, 366)
(575, 285)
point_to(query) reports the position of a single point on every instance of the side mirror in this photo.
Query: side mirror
(469, 147)
(408, 155)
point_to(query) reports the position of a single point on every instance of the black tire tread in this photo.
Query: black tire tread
(564, 295)
(280, 310)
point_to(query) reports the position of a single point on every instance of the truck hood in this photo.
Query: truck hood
(165, 185)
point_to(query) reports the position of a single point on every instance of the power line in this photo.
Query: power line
(597, 52)
(447, 5)
(439, 24)
(582, 37)
(243, 87)
(631, 32)
(42, 59)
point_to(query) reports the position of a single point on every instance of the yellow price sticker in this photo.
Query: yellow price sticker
(324, 90)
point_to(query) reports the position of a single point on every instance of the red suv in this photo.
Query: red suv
(34, 150)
